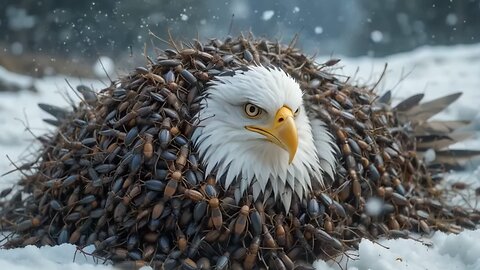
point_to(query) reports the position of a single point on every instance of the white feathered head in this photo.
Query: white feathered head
(254, 134)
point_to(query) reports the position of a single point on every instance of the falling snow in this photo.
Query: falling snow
(376, 36)
(184, 17)
(451, 19)
(267, 15)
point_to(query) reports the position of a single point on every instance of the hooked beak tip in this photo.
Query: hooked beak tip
(283, 132)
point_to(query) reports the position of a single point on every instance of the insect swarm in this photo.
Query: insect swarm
(121, 172)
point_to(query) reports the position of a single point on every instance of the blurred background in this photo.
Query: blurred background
(46, 37)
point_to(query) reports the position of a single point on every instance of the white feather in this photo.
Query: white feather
(287, 197)
(256, 190)
(323, 143)
(228, 149)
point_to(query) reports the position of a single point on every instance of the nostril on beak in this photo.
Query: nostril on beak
(280, 119)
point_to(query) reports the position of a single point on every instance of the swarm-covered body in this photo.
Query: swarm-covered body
(123, 173)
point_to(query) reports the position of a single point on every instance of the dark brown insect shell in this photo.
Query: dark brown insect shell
(459, 185)
(424, 227)
(202, 76)
(289, 237)
(335, 111)
(170, 188)
(181, 160)
(32, 240)
(75, 236)
(212, 236)
(121, 108)
(148, 252)
(226, 232)
(251, 257)
(374, 230)
(451, 228)
(194, 195)
(364, 145)
(350, 161)
(241, 221)
(175, 131)
(186, 215)
(346, 149)
(393, 223)
(188, 76)
(340, 134)
(281, 233)
(277, 262)
(399, 187)
(14, 242)
(155, 78)
(119, 212)
(194, 246)
(170, 97)
(193, 162)
(125, 119)
(228, 204)
(189, 264)
(268, 239)
(337, 210)
(238, 253)
(324, 115)
(199, 211)
(187, 128)
(216, 214)
(403, 221)
(27, 224)
(356, 188)
(398, 234)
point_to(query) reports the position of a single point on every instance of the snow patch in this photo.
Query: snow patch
(60, 257)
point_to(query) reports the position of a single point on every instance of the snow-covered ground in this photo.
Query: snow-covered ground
(435, 71)
(19, 110)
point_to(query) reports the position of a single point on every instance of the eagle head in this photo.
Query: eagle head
(255, 135)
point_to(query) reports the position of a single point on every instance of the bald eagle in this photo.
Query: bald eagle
(239, 153)
(255, 133)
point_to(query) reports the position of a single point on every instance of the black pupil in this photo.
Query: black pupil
(252, 109)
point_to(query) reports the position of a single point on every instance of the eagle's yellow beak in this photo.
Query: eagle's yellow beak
(282, 132)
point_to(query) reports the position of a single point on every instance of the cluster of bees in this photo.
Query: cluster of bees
(120, 172)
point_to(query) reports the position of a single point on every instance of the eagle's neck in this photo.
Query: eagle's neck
(259, 164)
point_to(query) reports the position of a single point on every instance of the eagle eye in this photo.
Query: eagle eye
(296, 112)
(252, 111)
